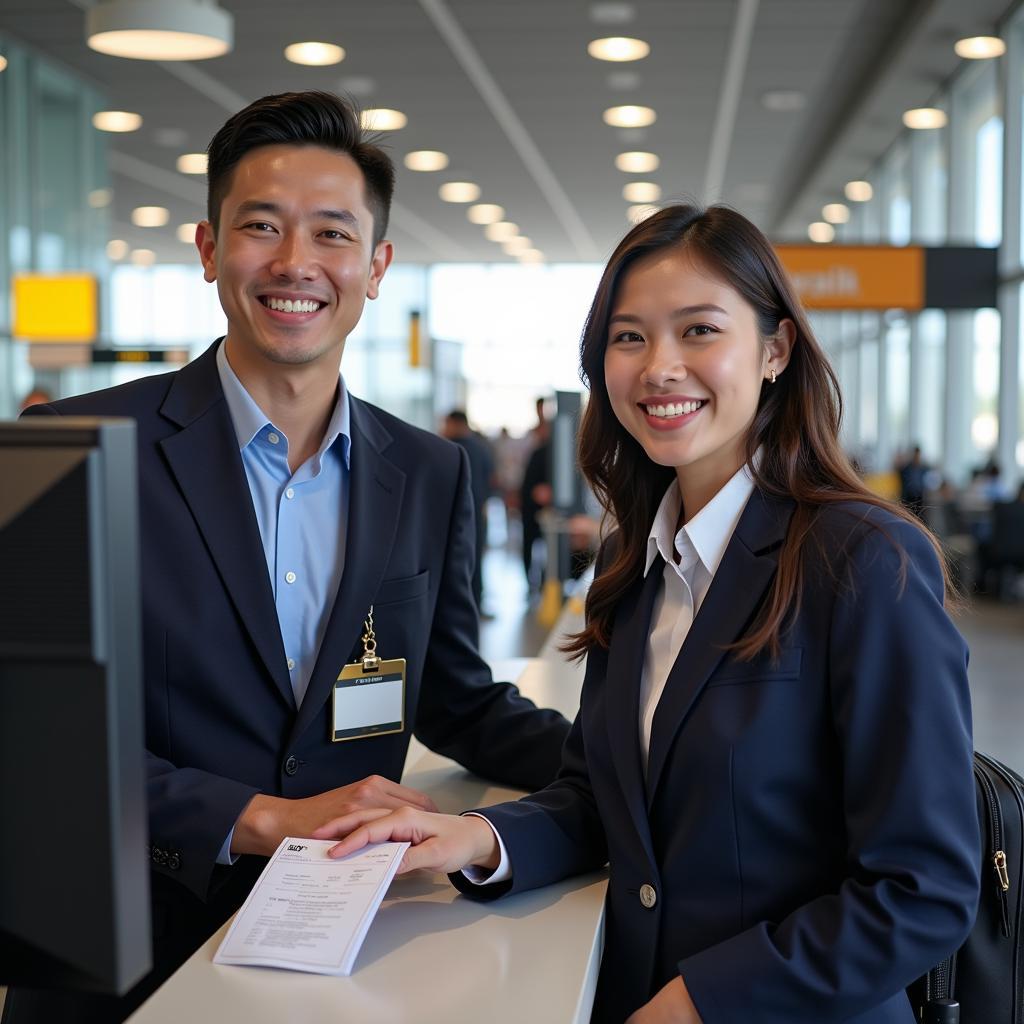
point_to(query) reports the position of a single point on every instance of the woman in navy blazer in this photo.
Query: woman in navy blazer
(782, 789)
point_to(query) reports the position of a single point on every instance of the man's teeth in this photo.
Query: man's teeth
(292, 306)
(673, 409)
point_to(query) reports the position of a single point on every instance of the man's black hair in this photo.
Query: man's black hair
(311, 118)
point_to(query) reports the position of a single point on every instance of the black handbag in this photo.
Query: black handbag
(986, 975)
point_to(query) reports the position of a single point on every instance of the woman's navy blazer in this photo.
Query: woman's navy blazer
(807, 825)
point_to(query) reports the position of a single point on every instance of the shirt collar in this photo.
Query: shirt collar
(708, 533)
(249, 419)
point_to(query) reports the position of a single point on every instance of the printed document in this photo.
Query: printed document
(308, 912)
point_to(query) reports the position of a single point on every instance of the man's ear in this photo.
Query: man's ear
(206, 243)
(382, 257)
(780, 347)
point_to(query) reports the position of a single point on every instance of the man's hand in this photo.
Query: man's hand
(440, 842)
(671, 1005)
(268, 819)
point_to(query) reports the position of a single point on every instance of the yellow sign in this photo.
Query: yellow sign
(55, 307)
(856, 276)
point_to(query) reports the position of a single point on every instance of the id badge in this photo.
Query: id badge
(369, 695)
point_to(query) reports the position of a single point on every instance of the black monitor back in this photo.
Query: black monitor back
(74, 881)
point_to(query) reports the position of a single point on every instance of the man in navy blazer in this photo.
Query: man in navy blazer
(240, 740)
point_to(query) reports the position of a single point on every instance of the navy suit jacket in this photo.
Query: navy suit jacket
(808, 824)
(221, 719)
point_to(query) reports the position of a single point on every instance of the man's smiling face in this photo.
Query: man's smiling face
(293, 256)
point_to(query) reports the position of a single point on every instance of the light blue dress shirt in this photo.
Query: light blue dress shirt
(302, 518)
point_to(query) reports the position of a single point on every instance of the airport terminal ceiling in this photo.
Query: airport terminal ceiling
(770, 105)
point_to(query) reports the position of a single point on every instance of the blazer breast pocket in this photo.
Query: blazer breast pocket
(763, 668)
(405, 589)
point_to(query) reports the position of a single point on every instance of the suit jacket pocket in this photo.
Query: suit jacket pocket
(404, 589)
(761, 669)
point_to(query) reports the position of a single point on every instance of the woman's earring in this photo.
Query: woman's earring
(774, 376)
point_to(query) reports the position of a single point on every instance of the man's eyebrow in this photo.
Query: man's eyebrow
(251, 206)
(705, 307)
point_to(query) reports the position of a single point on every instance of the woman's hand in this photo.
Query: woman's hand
(440, 842)
(672, 1005)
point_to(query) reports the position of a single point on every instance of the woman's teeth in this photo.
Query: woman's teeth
(674, 408)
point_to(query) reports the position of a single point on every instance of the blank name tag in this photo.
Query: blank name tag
(369, 702)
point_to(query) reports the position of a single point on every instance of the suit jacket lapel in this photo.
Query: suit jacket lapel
(740, 583)
(626, 654)
(374, 510)
(206, 462)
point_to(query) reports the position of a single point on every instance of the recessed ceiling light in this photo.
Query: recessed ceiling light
(621, 81)
(3, 62)
(459, 192)
(117, 249)
(858, 191)
(143, 257)
(116, 121)
(426, 160)
(100, 197)
(159, 29)
(979, 47)
(187, 233)
(485, 213)
(150, 216)
(192, 163)
(641, 192)
(641, 212)
(315, 55)
(819, 231)
(514, 246)
(629, 117)
(611, 13)
(783, 101)
(637, 162)
(531, 256)
(836, 213)
(618, 48)
(502, 231)
(382, 119)
(925, 117)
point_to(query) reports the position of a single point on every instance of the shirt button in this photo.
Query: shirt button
(290, 577)
(273, 438)
(648, 897)
(291, 766)
(290, 493)
(291, 664)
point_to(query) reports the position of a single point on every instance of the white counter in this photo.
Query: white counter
(431, 956)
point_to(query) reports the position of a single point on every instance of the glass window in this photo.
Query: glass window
(931, 380)
(897, 384)
(984, 404)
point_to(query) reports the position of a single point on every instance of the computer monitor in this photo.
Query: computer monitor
(74, 879)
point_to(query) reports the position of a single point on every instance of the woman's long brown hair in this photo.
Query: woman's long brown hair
(796, 425)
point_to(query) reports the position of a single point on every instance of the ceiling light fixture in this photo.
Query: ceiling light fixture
(100, 197)
(459, 192)
(485, 213)
(637, 163)
(836, 213)
(159, 29)
(641, 212)
(979, 47)
(426, 160)
(315, 55)
(518, 244)
(502, 231)
(143, 257)
(117, 249)
(150, 216)
(618, 48)
(641, 192)
(819, 231)
(382, 119)
(921, 118)
(116, 121)
(192, 163)
(629, 117)
(3, 62)
(531, 256)
(187, 233)
(858, 191)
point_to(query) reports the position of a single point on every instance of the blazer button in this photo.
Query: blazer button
(648, 897)
(159, 856)
(173, 861)
(291, 766)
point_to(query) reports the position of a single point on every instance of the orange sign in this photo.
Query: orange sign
(856, 276)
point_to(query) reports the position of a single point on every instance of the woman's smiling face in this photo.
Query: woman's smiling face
(685, 363)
